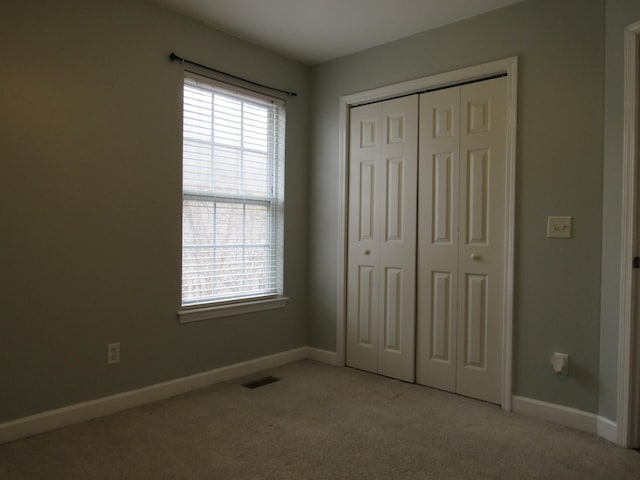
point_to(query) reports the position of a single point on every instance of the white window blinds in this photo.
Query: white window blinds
(232, 216)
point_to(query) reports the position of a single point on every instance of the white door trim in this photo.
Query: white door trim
(626, 342)
(508, 66)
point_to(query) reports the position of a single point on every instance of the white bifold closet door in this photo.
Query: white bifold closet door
(381, 270)
(461, 239)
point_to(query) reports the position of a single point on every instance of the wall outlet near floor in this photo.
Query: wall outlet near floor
(560, 363)
(113, 353)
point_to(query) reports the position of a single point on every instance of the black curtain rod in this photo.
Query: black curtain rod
(433, 89)
(175, 58)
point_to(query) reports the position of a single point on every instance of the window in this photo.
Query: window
(232, 210)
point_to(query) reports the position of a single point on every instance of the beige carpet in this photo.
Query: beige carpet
(317, 422)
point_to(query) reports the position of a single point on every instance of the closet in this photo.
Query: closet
(426, 238)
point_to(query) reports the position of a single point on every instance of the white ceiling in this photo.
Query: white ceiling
(314, 31)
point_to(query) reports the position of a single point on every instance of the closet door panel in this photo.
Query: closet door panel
(438, 238)
(365, 306)
(393, 310)
(442, 321)
(398, 237)
(477, 179)
(474, 347)
(363, 231)
(482, 239)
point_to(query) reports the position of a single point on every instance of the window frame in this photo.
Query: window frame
(205, 310)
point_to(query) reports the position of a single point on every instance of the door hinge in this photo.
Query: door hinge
(636, 262)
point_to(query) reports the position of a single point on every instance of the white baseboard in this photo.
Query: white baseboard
(52, 419)
(608, 429)
(551, 412)
(324, 356)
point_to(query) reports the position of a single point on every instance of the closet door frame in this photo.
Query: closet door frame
(508, 66)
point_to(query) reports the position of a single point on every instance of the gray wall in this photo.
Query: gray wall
(90, 172)
(560, 46)
(620, 13)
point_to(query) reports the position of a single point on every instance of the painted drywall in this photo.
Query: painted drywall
(90, 188)
(620, 13)
(559, 172)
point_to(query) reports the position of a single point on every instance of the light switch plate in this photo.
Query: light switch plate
(559, 227)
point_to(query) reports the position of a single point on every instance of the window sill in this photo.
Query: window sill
(198, 314)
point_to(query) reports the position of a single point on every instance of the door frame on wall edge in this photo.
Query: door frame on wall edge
(508, 66)
(628, 398)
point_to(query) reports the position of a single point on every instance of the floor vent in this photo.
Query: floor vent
(261, 382)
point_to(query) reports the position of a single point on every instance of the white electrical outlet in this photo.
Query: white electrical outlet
(560, 363)
(113, 353)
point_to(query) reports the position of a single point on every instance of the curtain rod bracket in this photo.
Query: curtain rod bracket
(173, 57)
